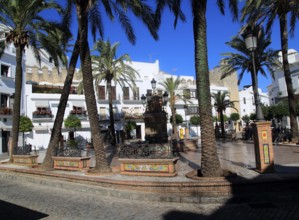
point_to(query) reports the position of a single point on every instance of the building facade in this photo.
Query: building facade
(247, 104)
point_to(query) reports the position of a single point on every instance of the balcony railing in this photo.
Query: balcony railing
(131, 98)
(42, 113)
(5, 111)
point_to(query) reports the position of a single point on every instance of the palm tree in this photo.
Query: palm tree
(221, 103)
(266, 11)
(210, 164)
(25, 27)
(265, 58)
(85, 10)
(107, 67)
(172, 85)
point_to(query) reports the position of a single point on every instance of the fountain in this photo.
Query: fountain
(154, 156)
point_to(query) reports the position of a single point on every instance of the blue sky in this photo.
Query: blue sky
(175, 47)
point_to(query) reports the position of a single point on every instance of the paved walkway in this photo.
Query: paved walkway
(36, 196)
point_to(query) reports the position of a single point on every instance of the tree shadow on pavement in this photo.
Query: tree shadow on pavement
(15, 212)
(268, 196)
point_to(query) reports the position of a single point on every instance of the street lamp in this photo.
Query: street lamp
(154, 83)
(251, 45)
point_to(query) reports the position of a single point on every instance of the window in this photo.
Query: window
(244, 101)
(113, 92)
(126, 95)
(101, 92)
(193, 94)
(136, 94)
(102, 113)
(50, 59)
(192, 110)
(186, 93)
(4, 70)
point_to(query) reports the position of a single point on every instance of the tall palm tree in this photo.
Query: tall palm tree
(88, 12)
(172, 85)
(25, 27)
(210, 164)
(267, 11)
(265, 58)
(107, 67)
(222, 102)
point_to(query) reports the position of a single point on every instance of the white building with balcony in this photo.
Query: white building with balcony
(247, 104)
(7, 90)
(278, 89)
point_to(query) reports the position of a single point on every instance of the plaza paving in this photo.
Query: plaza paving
(68, 197)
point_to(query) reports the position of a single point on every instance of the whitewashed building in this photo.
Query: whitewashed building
(278, 89)
(247, 104)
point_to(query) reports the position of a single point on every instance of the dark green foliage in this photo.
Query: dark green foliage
(195, 120)
(234, 116)
(72, 121)
(178, 119)
(25, 124)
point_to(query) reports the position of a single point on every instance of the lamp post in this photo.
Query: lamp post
(251, 45)
(264, 156)
(187, 127)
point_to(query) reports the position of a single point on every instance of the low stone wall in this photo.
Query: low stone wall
(71, 163)
(148, 167)
(29, 160)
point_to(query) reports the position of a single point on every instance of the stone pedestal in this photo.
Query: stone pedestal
(264, 155)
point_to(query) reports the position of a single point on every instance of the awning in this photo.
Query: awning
(7, 86)
(43, 103)
(5, 127)
(78, 103)
(40, 128)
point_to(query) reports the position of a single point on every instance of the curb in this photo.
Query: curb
(206, 191)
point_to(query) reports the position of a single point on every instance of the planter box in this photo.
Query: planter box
(71, 163)
(30, 160)
(148, 167)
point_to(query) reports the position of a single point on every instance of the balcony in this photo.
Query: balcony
(79, 112)
(5, 112)
(42, 114)
(131, 99)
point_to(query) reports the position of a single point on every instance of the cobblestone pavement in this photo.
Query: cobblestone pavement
(24, 201)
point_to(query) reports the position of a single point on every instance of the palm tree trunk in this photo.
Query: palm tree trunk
(101, 160)
(17, 102)
(111, 113)
(222, 125)
(56, 131)
(288, 77)
(210, 164)
(174, 125)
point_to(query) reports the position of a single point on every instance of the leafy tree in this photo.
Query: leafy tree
(178, 119)
(26, 125)
(267, 112)
(72, 122)
(280, 110)
(221, 103)
(252, 116)
(266, 11)
(210, 164)
(195, 120)
(235, 116)
(107, 67)
(246, 119)
(25, 27)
